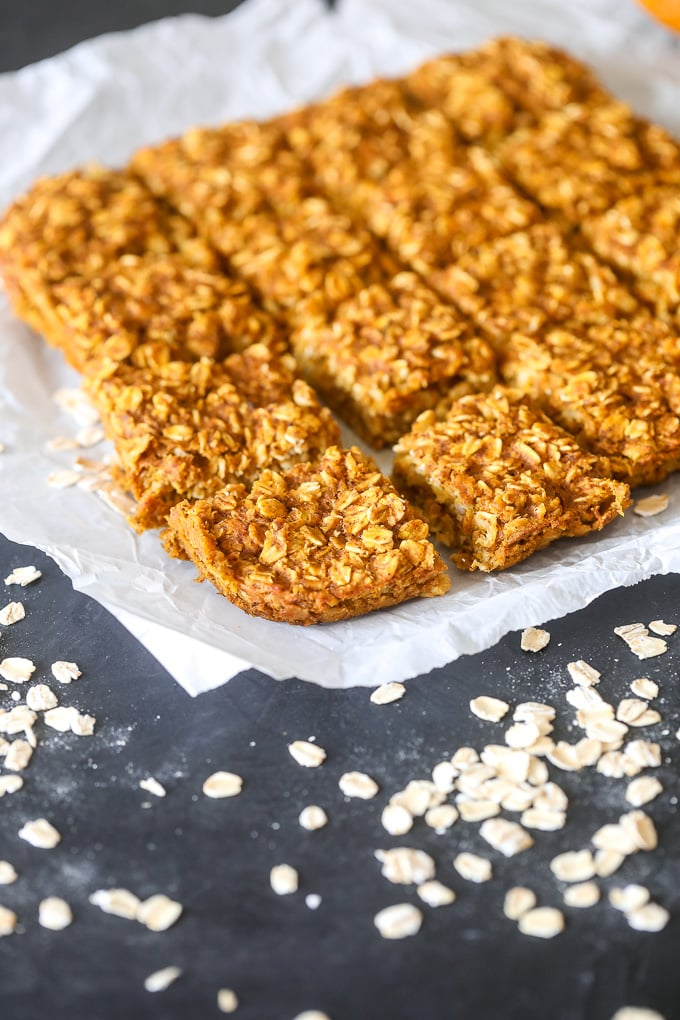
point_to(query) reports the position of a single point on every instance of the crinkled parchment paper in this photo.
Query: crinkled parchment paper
(105, 98)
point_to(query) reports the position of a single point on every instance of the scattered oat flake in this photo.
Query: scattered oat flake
(283, 879)
(509, 838)
(582, 895)
(659, 627)
(404, 865)
(40, 833)
(74, 402)
(573, 866)
(534, 639)
(119, 902)
(607, 862)
(313, 817)
(227, 1000)
(83, 725)
(312, 901)
(65, 672)
(312, 1014)
(222, 784)
(544, 821)
(396, 819)
(651, 917)
(643, 790)
(542, 922)
(628, 897)
(309, 755)
(614, 837)
(440, 817)
(650, 506)
(161, 979)
(518, 900)
(398, 921)
(639, 641)
(61, 718)
(8, 921)
(89, 435)
(40, 698)
(23, 576)
(10, 784)
(444, 776)
(61, 444)
(7, 873)
(488, 708)
(64, 478)
(387, 693)
(477, 810)
(630, 709)
(152, 786)
(641, 829)
(435, 894)
(18, 756)
(472, 867)
(583, 673)
(54, 913)
(159, 912)
(645, 688)
(358, 784)
(16, 670)
(12, 613)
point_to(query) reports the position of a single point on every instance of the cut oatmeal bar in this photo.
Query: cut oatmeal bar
(497, 480)
(73, 225)
(490, 91)
(614, 387)
(532, 278)
(313, 250)
(182, 430)
(315, 544)
(640, 235)
(147, 310)
(583, 159)
(387, 354)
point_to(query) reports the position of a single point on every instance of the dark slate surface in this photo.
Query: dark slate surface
(281, 957)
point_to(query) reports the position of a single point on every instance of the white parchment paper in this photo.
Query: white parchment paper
(106, 97)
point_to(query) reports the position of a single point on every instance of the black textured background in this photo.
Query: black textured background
(467, 963)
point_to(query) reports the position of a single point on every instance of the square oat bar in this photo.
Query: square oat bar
(182, 430)
(387, 354)
(585, 158)
(615, 388)
(504, 84)
(531, 279)
(640, 236)
(146, 310)
(319, 543)
(497, 480)
(74, 225)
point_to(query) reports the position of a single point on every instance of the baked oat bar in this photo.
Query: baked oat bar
(387, 354)
(319, 543)
(146, 310)
(640, 236)
(182, 430)
(73, 225)
(585, 158)
(496, 480)
(500, 86)
(531, 279)
(313, 250)
(215, 176)
(614, 387)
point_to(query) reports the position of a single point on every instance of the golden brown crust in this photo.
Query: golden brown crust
(502, 85)
(531, 279)
(74, 225)
(614, 387)
(389, 353)
(316, 544)
(583, 159)
(497, 480)
(183, 430)
(146, 310)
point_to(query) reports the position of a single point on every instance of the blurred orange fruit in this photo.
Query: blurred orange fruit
(666, 11)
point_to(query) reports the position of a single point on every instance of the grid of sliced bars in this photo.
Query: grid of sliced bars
(476, 262)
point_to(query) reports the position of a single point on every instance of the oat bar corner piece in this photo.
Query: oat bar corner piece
(318, 543)
(497, 480)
